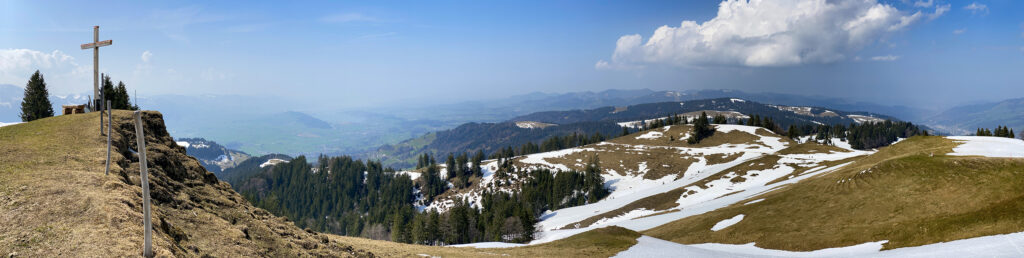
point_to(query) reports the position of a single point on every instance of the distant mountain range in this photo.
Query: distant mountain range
(11, 96)
(966, 119)
(267, 124)
(608, 121)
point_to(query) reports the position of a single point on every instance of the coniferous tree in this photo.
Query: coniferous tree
(117, 95)
(36, 103)
(701, 129)
(720, 119)
(793, 132)
(449, 165)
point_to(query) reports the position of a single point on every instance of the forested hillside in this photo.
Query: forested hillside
(486, 137)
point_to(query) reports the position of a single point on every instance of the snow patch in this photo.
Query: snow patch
(727, 222)
(532, 124)
(862, 119)
(988, 146)
(271, 162)
(183, 144)
(650, 135)
(2, 124)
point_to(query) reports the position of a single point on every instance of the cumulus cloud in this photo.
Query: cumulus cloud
(887, 58)
(59, 69)
(977, 8)
(767, 33)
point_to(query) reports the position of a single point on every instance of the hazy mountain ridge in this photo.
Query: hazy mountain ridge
(965, 119)
(488, 137)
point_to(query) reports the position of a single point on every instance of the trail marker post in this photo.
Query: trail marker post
(107, 172)
(95, 46)
(147, 249)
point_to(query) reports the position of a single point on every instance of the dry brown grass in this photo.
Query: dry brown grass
(602, 242)
(909, 193)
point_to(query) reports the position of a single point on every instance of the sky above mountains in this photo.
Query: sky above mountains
(356, 54)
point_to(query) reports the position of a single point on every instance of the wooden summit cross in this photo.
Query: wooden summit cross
(95, 46)
(97, 103)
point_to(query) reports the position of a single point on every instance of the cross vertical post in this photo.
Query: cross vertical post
(96, 103)
(96, 68)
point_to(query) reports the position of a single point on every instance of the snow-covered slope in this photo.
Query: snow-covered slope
(994, 147)
(735, 165)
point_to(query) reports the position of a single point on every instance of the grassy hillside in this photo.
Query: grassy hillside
(909, 194)
(56, 201)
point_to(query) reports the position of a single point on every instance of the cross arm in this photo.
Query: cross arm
(97, 44)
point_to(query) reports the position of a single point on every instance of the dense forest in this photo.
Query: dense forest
(338, 195)
(350, 197)
(860, 136)
(503, 216)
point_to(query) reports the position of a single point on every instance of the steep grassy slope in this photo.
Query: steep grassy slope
(909, 194)
(57, 201)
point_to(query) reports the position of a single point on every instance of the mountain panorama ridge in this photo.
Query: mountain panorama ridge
(660, 192)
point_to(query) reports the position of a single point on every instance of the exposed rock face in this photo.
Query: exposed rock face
(194, 213)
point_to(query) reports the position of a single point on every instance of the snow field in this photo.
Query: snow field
(988, 146)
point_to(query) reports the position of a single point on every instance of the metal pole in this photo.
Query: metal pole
(147, 250)
(107, 172)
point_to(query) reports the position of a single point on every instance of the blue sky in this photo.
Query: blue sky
(353, 54)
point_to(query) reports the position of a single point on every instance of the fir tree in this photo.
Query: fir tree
(701, 129)
(36, 103)
(793, 132)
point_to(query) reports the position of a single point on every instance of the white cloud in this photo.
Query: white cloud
(976, 8)
(145, 68)
(959, 31)
(60, 70)
(924, 4)
(767, 33)
(887, 58)
(939, 11)
(146, 56)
